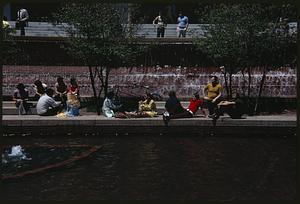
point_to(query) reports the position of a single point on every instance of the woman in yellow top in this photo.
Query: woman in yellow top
(147, 108)
(212, 92)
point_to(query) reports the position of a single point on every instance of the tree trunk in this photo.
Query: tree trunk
(260, 90)
(107, 70)
(249, 104)
(94, 89)
(249, 82)
(226, 84)
(230, 85)
(244, 81)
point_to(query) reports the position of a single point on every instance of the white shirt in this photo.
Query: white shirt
(45, 103)
(22, 15)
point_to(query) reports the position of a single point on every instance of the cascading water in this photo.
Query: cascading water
(17, 153)
(184, 80)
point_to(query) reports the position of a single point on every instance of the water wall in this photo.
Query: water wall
(136, 80)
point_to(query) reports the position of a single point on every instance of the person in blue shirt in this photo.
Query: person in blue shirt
(183, 23)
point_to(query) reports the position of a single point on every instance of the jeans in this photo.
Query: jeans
(160, 32)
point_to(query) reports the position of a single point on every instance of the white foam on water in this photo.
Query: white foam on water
(17, 153)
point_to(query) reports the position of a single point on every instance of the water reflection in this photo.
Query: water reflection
(164, 168)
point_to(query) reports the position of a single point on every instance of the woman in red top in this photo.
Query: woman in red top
(195, 104)
(73, 88)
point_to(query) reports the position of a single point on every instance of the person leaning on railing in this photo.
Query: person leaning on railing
(183, 24)
(22, 20)
(160, 23)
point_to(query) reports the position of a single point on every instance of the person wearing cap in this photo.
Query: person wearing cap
(21, 96)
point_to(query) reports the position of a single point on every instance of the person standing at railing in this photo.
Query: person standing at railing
(160, 23)
(22, 20)
(183, 23)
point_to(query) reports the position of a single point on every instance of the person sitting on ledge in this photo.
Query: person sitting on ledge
(147, 108)
(195, 104)
(46, 105)
(21, 96)
(39, 88)
(234, 108)
(173, 107)
(73, 105)
(212, 92)
(61, 91)
(110, 108)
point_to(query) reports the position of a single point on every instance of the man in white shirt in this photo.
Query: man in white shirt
(46, 105)
(22, 18)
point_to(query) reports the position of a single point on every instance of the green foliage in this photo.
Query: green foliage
(97, 33)
(243, 35)
(9, 46)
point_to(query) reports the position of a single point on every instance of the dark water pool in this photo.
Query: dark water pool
(151, 167)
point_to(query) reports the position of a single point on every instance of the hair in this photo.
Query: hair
(20, 86)
(149, 95)
(49, 92)
(197, 95)
(110, 94)
(4, 18)
(172, 94)
(60, 81)
(215, 78)
(39, 87)
(38, 83)
(73, 82)
(41, 91)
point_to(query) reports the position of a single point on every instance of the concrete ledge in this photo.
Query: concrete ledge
(101, 121)
(52, 127)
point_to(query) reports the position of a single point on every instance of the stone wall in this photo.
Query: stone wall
(134, 81)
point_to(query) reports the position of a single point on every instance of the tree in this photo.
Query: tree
(11, 52)
(241, 36)
(98, 35)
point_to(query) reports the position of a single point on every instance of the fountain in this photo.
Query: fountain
(185, 80)
(16, 154)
